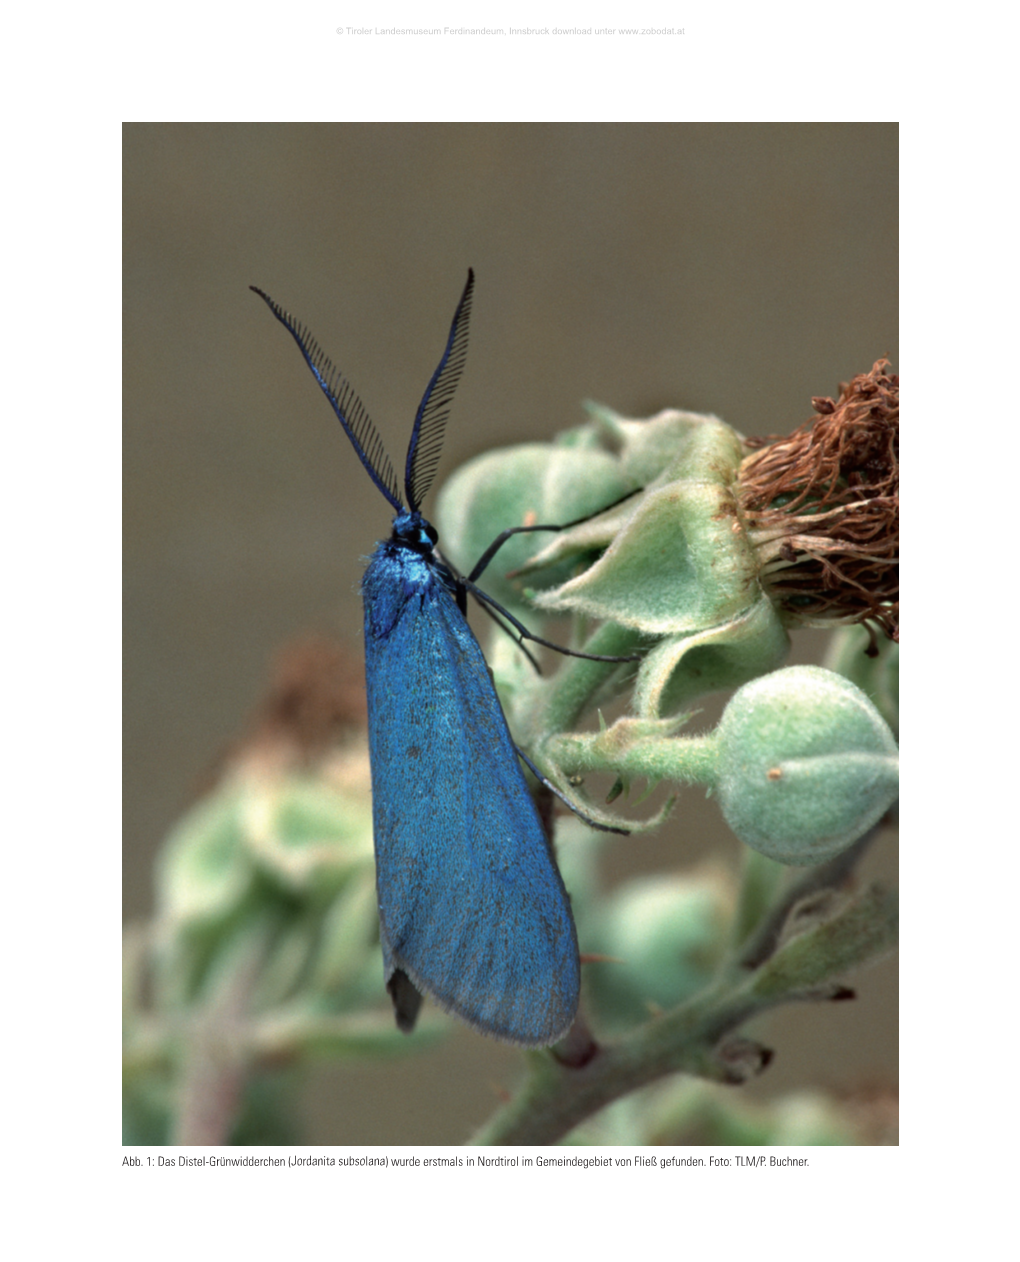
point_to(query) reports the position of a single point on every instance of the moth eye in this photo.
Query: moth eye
(430, 533)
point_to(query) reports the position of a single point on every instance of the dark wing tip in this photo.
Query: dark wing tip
(407, 1000)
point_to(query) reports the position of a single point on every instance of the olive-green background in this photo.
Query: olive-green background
(730, 268)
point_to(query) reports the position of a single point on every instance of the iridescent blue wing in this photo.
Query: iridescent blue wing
(472, 906)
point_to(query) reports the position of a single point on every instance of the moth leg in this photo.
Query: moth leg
(496, 619)
(483, 561)
(602, 828)
(525, 634)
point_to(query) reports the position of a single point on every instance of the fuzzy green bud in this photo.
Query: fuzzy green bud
(806, 764)
(531, 484)
(268, 847)
(663, 937)
(293, 832)
(204, 874)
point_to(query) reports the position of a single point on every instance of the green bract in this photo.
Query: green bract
(675, 562)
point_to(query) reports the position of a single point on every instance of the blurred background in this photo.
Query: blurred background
(729, 268)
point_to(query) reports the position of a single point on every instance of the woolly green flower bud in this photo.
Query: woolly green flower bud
(203, 874)
(304, 835)
(281, 837)
(266, 846)
(806, 764)
(308, 836)
(519, 486)
(684, 1110)
(663, 937)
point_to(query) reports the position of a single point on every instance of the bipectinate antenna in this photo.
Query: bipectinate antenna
(350, 410)
(430, 423)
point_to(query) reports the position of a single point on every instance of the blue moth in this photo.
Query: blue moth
(472, 908)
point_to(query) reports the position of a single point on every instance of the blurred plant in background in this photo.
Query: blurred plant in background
(264, 951)
(264, 948)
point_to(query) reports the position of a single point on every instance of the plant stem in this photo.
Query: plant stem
(217, 1052)
(680, 759)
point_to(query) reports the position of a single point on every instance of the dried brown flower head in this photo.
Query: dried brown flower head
(822, 508)
(315, 702)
